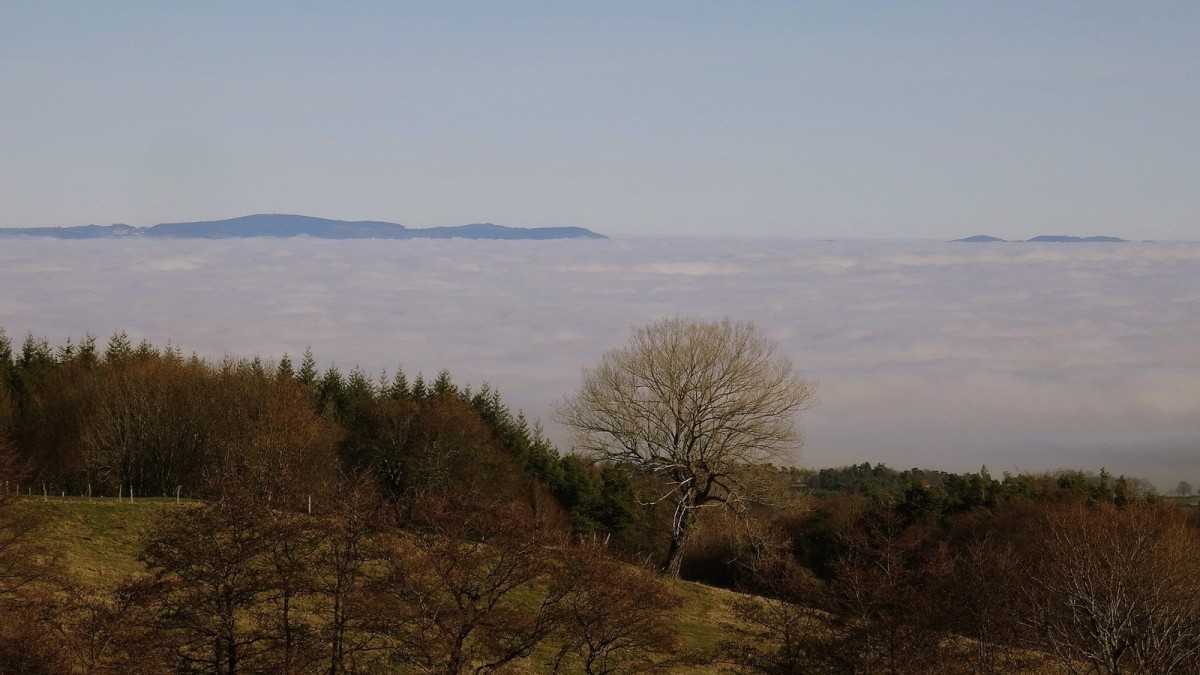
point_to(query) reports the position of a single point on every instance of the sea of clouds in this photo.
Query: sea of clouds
(1019, 356)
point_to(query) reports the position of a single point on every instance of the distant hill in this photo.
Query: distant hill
(280, 225)
(1063, 239)
(1046, 238)
(80, 232)
(980, 239)
(285, 225)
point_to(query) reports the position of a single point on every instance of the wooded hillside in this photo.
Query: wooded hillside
(311, 521)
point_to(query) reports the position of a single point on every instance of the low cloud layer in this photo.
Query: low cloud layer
(1018, 356)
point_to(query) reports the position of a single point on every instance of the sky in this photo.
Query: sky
(1017, 356)
(917, 120)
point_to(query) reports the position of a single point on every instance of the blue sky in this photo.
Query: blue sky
(811, 120)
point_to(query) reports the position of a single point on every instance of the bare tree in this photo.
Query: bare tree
(778, 632)
(342, 573)
(212, 562)
(691, 403)
(103, 632)
(1184, 489)
(615, 616)
(881, 605)
(28, 568)
(24, 558)
(981, 601)
(1117, 591)
(466, 590)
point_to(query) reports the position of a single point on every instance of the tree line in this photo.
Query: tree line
(139, 419)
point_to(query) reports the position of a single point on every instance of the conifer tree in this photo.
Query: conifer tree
(145, 350)
(6, 382)
(87, 354)
(35, 354)
(33, 366)
(398, 391)
(257, 369)
(443, 384)
(172, 353)
(6, 353)
(308, 369)
(332, 390)
(284, 370)
(65, 352)
(119, 348)
(359, 388)
(419, 391)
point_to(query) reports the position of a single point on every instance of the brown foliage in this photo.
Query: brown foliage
(453, 450)
(889, 607)
(162, 423)
(282, 448)
(880, 598)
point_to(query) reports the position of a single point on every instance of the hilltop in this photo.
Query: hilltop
(1063, 239)
(288, 225)
(1042, 239)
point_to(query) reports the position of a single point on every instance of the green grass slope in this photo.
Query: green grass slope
(98, 538)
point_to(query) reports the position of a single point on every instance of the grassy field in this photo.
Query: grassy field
(98, 539)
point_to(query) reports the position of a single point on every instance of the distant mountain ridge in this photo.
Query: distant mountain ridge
(1063, 239)
(287, 225)
(1045, 238)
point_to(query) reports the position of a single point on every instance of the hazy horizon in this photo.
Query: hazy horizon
(898, 237)
(931, 354)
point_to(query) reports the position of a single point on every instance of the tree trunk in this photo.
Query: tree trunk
(680, 535)
(336, 639)
(287, 631)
